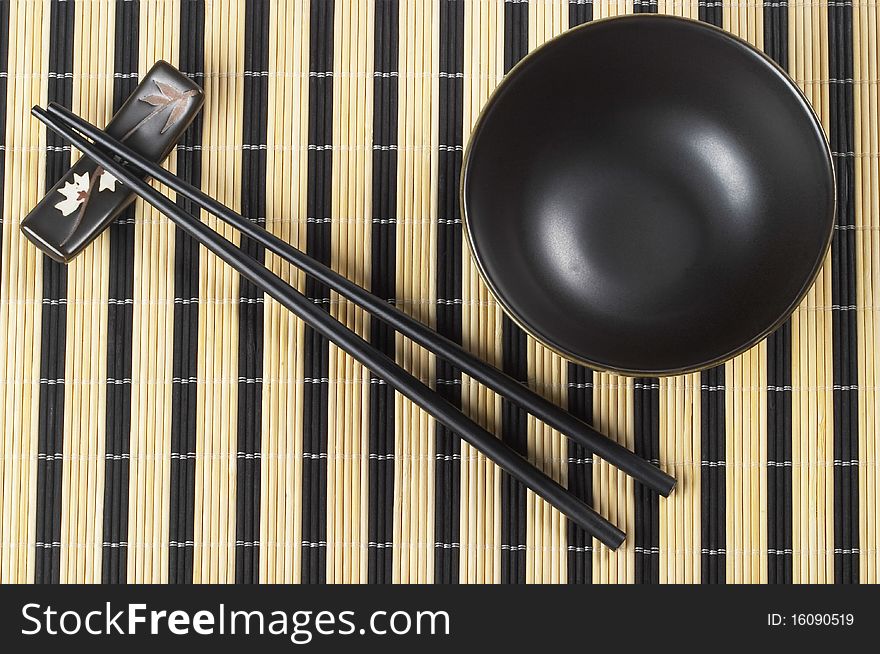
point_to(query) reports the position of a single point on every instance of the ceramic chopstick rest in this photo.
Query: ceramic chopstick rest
(87, 198)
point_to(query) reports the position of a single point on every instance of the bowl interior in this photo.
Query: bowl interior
(648, 195)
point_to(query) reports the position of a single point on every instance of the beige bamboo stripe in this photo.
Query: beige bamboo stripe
(286, 202)
(680, 455)
(349, 403)
(609, 8)
(152, 344)
(217, 400)
(613, 415)
(546, 529)
(812, 410)
(866, 61)
(480, 527)
(21, 279)
(686, 8)
(746, 21)
(416, 209)
(85, 405)
(746, 455)
(612, 490)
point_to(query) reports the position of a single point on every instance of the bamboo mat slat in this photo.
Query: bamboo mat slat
(164, 422)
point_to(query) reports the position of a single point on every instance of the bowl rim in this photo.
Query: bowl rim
(604, 367)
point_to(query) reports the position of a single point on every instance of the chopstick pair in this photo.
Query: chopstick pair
(69, 126)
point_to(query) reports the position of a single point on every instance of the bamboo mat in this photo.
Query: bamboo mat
(162, 421)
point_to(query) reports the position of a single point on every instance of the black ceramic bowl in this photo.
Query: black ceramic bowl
(648, 195)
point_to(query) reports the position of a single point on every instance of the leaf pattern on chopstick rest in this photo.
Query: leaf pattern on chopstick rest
(78, 193)
(169, 96)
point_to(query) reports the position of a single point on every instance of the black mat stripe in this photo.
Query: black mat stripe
(383, 259)
(646, 405)
(580, 403)
(713, 475)
(250, 325)
(779, 452)
(120, 326)
(514, 361)
(779, 375)
(579, 12)
(53, 329)
(843, 298)
(580, 475)
(186, 319)
(316, 347)
(447, 473)
(711, 12)
(646, 539)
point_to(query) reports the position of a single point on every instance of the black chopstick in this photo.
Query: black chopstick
(494, 448)
(643, 471)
